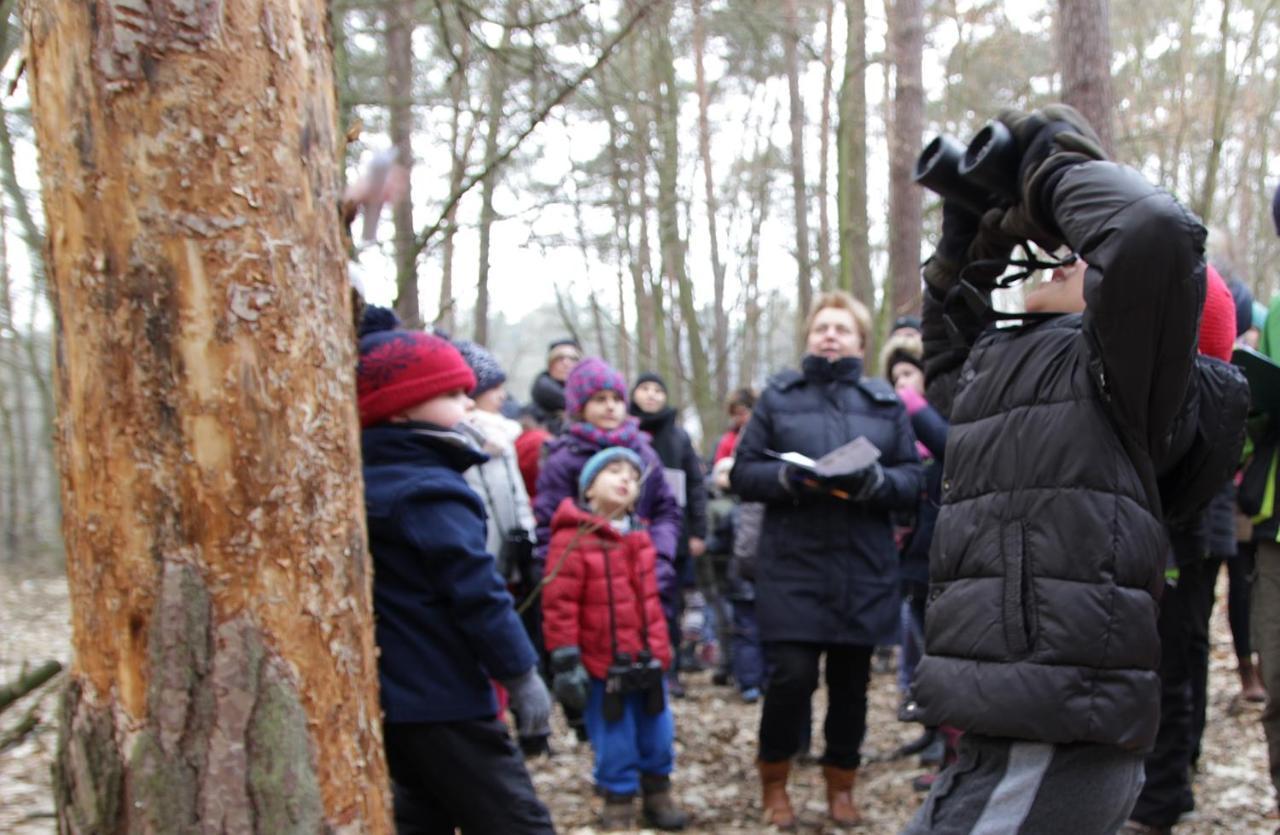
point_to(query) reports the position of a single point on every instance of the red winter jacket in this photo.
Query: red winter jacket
(575, 603)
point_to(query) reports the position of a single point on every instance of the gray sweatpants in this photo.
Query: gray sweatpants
(1003, 786)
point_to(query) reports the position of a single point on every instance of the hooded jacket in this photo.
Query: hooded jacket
(1049, 549)
(498, 481)
(444, 621)
(604, 592)
(826, 569)
(676, 450)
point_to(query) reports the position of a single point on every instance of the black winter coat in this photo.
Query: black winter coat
(931, 428)
(676, 450)
(826, 569)
(1049, 549)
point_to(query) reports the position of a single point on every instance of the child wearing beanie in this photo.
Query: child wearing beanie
(604, 627)
(444, 620)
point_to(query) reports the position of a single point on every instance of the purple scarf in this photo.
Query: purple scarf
(627, 435)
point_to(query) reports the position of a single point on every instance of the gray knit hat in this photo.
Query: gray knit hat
(489, 374)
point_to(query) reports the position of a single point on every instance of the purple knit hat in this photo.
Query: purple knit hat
(588, 377)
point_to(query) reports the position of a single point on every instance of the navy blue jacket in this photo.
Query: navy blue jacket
(931, 430)
(826, 569)
(445, 622)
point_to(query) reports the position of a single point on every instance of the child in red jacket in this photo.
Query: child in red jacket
(604, 628)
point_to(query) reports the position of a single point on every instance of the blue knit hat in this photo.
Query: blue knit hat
(602, 459)
(489, 374)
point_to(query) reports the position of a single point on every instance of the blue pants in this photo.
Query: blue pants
(636, 744)
(748, 655)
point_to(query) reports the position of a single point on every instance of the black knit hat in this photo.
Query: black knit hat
(1244, 305)
(908, 321)
(650, 377)
(564, 340)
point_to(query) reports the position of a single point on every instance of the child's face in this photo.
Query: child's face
(444, 410)
(605, 410)
(492, 400)
(906, 375)
(650, 397)
(614, 490)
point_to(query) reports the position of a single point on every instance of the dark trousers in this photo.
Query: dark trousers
(793, 676)
(1166, 794)
(1200, 582)
(1239, 581)
(748, 654)
(460, 775)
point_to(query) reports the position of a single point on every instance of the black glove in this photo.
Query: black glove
(959, 226)
(569, 678)
(859, 484)
(966, 239)
(1050, 140)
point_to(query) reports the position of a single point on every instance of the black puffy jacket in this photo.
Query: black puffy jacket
(826, 569)
(1049, 549)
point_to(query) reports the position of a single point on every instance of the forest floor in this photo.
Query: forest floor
(715, 776)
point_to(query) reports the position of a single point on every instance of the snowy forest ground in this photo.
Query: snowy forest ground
(715, 777)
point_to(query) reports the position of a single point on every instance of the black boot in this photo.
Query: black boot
(660, 809)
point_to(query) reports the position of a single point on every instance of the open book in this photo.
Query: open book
(842, 460)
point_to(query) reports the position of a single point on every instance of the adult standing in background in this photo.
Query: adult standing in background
(547, 392)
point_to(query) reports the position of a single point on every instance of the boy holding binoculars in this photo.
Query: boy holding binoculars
(1064, 425)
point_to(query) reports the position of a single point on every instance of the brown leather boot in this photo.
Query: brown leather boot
(618, 812)
(840, 803)
(773, 794)
(1251, 688)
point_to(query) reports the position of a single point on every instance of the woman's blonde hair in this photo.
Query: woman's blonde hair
(842, 300)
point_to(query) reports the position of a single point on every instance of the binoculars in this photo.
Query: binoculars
(643, 674)
(978, 177)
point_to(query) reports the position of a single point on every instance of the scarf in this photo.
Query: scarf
(626, 435)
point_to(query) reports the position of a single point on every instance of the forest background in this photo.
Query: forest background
(672, 181)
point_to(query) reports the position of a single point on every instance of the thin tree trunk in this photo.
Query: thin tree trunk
(825, 265)
(496, 94)
(399, 39)
(851, 149)
(799, 192)
(223, 661)
(720, 332)
(906, 32)
(459, 151)
(1084, 30)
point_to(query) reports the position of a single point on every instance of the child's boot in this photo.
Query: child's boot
(773, 794)
(618, 811)
(660, 809)
(840, 805)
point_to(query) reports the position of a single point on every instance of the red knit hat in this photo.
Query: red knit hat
(1218, 320)
(400, 369)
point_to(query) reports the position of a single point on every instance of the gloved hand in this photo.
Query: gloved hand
(959, 226)
(1050, 140)
(859, 484)
(531, 703)
(569, 678)
(795, 480)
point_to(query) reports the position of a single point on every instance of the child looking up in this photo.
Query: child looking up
(604, 627)
(445, 623)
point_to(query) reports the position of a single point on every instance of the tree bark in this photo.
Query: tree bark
(906, 32)
(799, 193)
(825, 266)
(497, 92)
(224, 674)
(459, 152)
(399, 38)
(851, 162)
(1084, 31)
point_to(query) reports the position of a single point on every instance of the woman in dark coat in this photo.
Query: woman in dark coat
(827, 576)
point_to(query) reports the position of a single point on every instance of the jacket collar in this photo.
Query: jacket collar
(654, 422)
(419, 442)
(821, 370)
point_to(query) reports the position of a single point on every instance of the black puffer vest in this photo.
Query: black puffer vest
(1044, 520)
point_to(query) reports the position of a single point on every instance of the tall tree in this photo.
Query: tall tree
(398, 22)
(799, 191)
(851, 159)
(906, 33)
(1084, 44)
(825, 266)
(720, 333)
(224, 670)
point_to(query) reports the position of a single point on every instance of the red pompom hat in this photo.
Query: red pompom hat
(1218, 320)
(400, 369)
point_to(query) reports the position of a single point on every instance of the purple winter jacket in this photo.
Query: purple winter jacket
(657, 506)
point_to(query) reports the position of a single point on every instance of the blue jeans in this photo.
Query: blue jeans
(748, 655)
(636, 744)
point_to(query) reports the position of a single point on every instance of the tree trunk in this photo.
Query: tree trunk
(459, 151)
(497, 93)
(720, 332)
(1084, 31)
(224, 672)
(399, 37)
(825, 266)
(799, 193)
(906, 32)
(851, 151)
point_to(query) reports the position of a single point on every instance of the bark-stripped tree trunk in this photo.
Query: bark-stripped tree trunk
(851, 159)
(224, 674)
(399, 38)
(720, 332)
(799, 193)
(825, 266)
(906, 31)
(1084, 32)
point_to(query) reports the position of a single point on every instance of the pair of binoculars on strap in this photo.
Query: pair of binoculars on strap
(978, 177)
